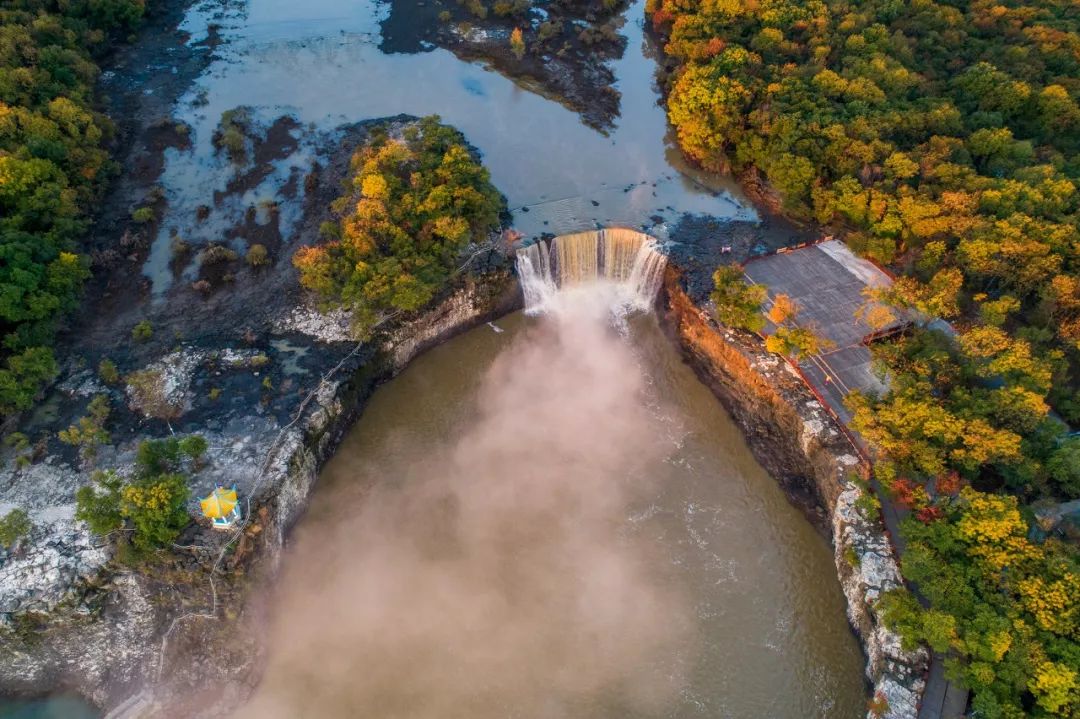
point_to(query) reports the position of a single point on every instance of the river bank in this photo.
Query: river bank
(174, 625)
(566, 51)
(799, 442)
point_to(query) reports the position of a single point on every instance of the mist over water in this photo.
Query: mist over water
(492, 576)
(557, 520)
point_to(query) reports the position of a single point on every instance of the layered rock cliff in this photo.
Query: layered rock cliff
(802, 446)
(141, 640)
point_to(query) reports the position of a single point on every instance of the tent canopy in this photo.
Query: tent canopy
(220, 503)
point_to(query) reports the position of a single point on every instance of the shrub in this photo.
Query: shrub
(477, 8)
(738, 304)
(179, 247)
(142, 215)
(549, 29)
(100, 509)
(233, 142)
(160, 456)
(1064, 468)
(108, 372)
(216, 254)
(17, 441)
(89, 431)
(20, 443)
(147, 394)
(193, 446)
(230, 133)
(14, 526)
(257, 256)
(143, 331)
(783, 309)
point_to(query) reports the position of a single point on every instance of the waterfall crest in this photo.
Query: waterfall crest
(625, 261)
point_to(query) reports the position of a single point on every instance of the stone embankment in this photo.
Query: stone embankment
(798, 441)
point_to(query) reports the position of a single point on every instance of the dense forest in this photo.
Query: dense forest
(413, 206)
(942, 139)
(53, 167)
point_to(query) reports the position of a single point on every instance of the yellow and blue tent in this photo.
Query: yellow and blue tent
(222, 506)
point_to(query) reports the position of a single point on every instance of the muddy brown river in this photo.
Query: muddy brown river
(554, 518)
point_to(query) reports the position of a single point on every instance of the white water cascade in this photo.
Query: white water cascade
(626, 263)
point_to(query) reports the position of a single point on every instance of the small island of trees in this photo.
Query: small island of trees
(415, 204)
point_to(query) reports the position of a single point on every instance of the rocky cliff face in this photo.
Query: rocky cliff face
(801, 445)
(139, 641)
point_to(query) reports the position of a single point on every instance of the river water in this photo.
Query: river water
(319, 61)
(556, 519)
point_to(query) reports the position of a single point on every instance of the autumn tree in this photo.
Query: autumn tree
(1004, 610)
(796, 342)
(415, 205)
(783, 309)
(517, 43)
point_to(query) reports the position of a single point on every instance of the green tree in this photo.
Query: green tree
(98, 504)
(738, 304)
(14, 526)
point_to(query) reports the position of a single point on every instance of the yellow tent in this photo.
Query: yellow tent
(220, 504)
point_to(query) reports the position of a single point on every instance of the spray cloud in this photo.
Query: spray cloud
(496, 578)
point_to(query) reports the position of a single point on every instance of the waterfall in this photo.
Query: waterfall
(625, 262)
